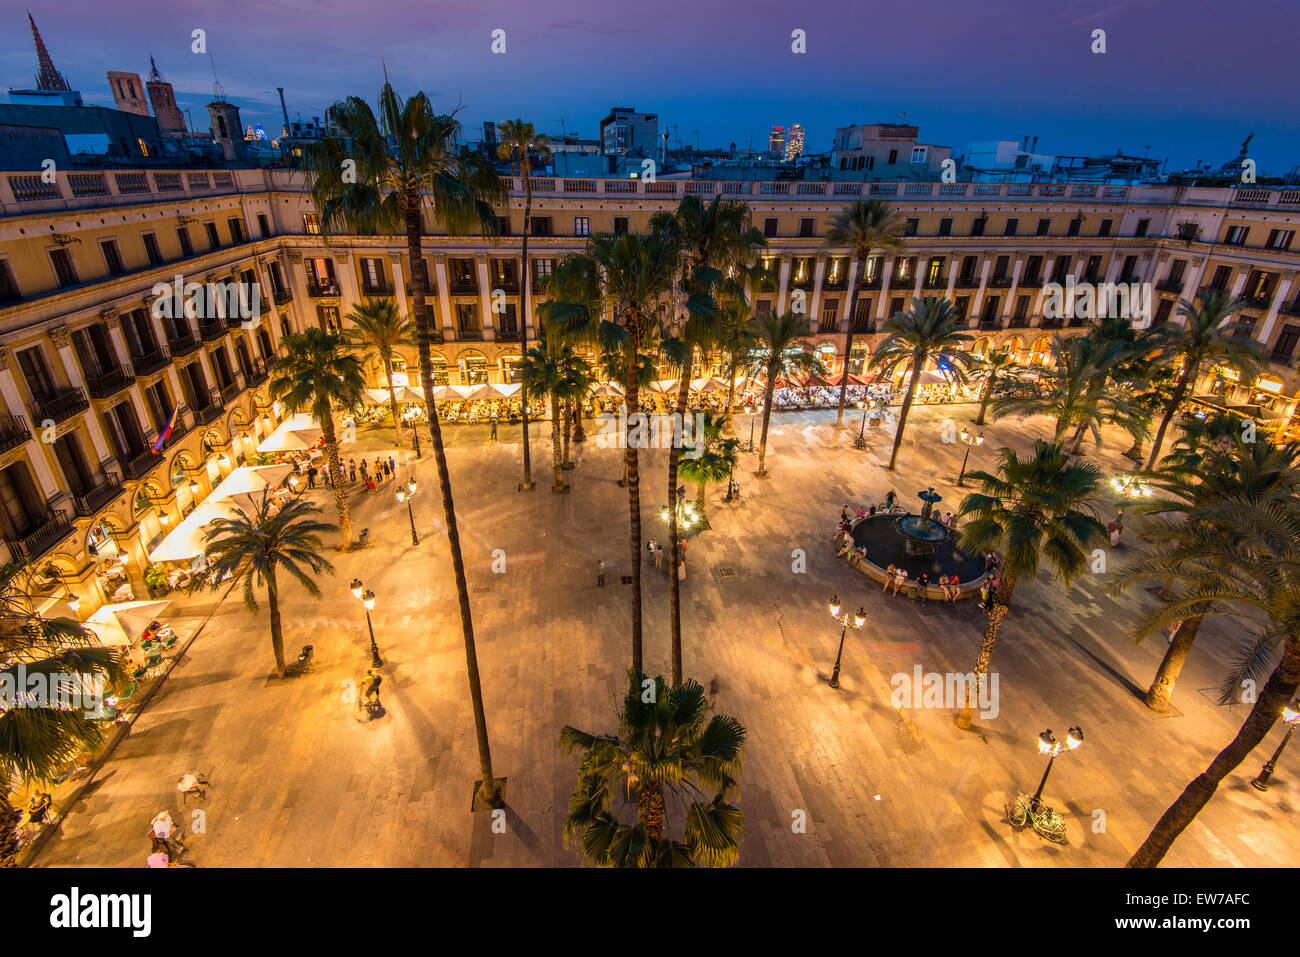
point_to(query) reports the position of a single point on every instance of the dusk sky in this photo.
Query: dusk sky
(1188, 79)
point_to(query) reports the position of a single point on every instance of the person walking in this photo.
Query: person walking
(352, 471)
(600, 575)
(311, 477)
(494, 428)
(370, 689)
(392, 465)
(659, 555)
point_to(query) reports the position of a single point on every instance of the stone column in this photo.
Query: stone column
(979, 294)
(444, 297)
(399, 284)
(783, 284)
(1279, 296)
(886, 276)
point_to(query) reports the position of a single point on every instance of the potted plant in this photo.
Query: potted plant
(155, 580)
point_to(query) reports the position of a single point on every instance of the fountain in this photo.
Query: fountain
(922, 535)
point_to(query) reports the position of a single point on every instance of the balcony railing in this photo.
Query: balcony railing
(13, 432)
(109, 383)
(49, 531)
(1282, 356)
(151, 362)
(97, 497)
(376, 289)
(182, 347)
(211, 330)
(61, 406)
(967, 282)
(1031, 282)
(509, 286)
(469, 335)
(507, 335)
(282, 296)
(935, 283)
(209, 413)
(1000, 282)
(1170, 284)
(230, 391)
(1292, 308)
(464, 287)
(322, 290)
(142, 464)
(257, 374)
(872, 283)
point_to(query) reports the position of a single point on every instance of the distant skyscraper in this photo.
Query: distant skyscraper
(794, 142)
(128, 92)
(48, 78)
(163, 99)
(776, 141)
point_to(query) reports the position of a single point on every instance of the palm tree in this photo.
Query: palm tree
(1206, 336)
(626, 279)
(736, 348)
(519, 142)
(318, 372)
(668, 746)
(1212, 461)
(257, 543)
(995, 368)
(378, 329)
(710, 459)
(1039, 507)
(1244, 556)
(864, 227)
(36, 742)
(931, 329)
(1117, 353)
(406, 161)
(786, 341)
(556, 371)
(714, 243)
(1077, 393)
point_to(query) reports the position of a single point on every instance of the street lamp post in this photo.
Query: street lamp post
(968, 440)
(731, 480)
(861, 442)
(1050, 747)
(415, 434)
(405, 495)
(1291, 715)
(367, 599)
(858, 621)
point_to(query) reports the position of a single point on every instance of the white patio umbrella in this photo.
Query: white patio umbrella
(485, 391)
(509, 389)
(123, 623)
(606, 390)
(450, 393)
(296, 433)
(710, 384)
(188, 539)
(249, 479)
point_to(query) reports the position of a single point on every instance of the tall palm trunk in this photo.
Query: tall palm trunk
(424, 338)
(699, 505)
(731, 403)
(1162, 687)
(1176, 400)
(917, 364)
(1001, 605)
(527, 484)
(10, 818)
(579, 433)
(567, 413)
(330, 439)
(848, 341)
(633, 479)
(674, 536)
(277, 630)
(1277, 692)
(1076, 440)
(984, 401)
(767, 417)
(392, 399)
(557, 461)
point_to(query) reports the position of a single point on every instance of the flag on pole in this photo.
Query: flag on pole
(166, 433)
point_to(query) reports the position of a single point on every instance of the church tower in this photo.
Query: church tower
(163, 100)
(48, 78)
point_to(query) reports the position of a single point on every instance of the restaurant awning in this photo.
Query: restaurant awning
(296, 433)
(402, 393)
(188, 539)
(606, 390)
(124, 622)
(710, 384)
(249, 479)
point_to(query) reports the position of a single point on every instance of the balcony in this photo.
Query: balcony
(142, 464)
(322, 290)
(99, 496)
(1258, 302)
(1031, 282)
(257, 374)
(867, 328)
(967, 282)
(61, 406)
(151, 362)
(507, 335)
(1282, 357)
(209, 413)
(507, 285)
(1018, 322)
(874, 283)
(49, 531)
(13, 432)
(182, 347)
(765, 283)
(230, 391)
(991, 323)
(836, 285)
(376, 289)
(937, 282)
(1000, 282)
(1170, 284)
(211, 330)
(109, 383)
(464, 287)
(282, 296)
(469, 335)
(1292, 308)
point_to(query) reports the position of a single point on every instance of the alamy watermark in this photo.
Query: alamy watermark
(58, 690)
(1086, 300)
(641, 431)
(948, 690)
(207, 300)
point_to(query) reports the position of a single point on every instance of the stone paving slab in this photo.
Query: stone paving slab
(299, 781)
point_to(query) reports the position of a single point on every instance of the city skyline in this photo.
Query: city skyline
(755, 81)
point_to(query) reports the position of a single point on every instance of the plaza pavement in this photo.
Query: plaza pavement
(300, 781)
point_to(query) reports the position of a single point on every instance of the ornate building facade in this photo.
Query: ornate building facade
(90, 376)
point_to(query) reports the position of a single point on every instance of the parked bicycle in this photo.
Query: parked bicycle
(1046, 822)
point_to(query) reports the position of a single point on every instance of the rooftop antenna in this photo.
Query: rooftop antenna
(563, 132)
(218, 90)
(697, 140)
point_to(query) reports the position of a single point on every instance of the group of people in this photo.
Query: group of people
(372, 476)
(167, 846)
(658, 559)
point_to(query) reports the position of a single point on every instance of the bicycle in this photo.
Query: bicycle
(1046, 822)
